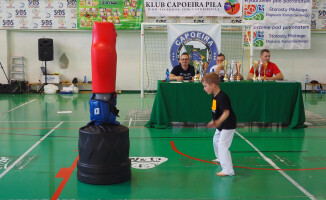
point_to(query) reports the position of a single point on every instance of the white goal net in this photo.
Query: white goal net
(236, 43)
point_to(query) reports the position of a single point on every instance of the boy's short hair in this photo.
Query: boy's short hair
(211, 78)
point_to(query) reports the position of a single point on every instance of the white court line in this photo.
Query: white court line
(27, 152)
(276, 167)
(130, 120)
(18, 106)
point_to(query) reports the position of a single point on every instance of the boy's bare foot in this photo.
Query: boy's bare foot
(216, 160)
(220, 174)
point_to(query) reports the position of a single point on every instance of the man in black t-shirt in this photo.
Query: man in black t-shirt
(224, 120)
(184, 71)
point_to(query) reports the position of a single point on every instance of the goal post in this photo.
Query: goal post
(236, 44)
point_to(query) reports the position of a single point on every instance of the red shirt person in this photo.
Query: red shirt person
(272, 72)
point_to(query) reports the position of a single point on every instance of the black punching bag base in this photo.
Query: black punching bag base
(103, 154)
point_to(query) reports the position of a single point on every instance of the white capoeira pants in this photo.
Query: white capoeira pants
(222, 141)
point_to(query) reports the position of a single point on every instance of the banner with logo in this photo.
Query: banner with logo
(174, 8)
(318, 18)
(38, 14)
(279, 24)
(282, 36)
(194, 19)
(1, 13)
(276, 11)
(125, 14)
(202, 42)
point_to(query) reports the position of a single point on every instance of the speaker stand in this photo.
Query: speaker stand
(45, 80)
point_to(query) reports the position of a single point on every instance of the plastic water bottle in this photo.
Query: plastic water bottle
(307, 79)
(85, 80)
(167, 75)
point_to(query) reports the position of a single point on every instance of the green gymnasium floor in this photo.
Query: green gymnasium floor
(39, 137)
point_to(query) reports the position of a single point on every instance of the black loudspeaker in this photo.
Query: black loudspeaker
(45, 49)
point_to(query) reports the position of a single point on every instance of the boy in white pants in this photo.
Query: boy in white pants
(224, 120)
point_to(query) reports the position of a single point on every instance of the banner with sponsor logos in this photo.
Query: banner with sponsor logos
(225, 8)
(1, 11)
(201, 41)
(125, 14)
(279, 24)
(318, 18)
(318, 15)
(281, 36)
(276, 11)
(194, 19)
(38, 14)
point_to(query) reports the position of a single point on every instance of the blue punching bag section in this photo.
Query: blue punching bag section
(104, 111)
(103, 143)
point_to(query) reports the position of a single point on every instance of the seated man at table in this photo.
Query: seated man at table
(267, 66)
(183, 71)
(219, 69)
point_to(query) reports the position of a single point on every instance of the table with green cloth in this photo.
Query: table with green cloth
(271, 102)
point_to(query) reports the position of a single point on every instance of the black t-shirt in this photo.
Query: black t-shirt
(220, 103)
(187, 75)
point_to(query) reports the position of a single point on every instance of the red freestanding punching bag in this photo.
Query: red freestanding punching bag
(103, 143)
(104, 57)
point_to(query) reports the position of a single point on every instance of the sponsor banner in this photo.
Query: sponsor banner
(38, 14)
(202, 42)
(275, 11)
(1, 13)
(282, 36)
(223, 8)
(318, 18)
(125, 14)
(195, 19)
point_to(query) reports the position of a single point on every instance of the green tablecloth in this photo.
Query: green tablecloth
(279, 102)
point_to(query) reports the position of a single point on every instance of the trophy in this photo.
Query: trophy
(197, 66)
(259, 70)
(225, 67)
(265, 67)
(238, 65)
(231, 70)
(201, 70)
(204, 67)
(255, 68)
